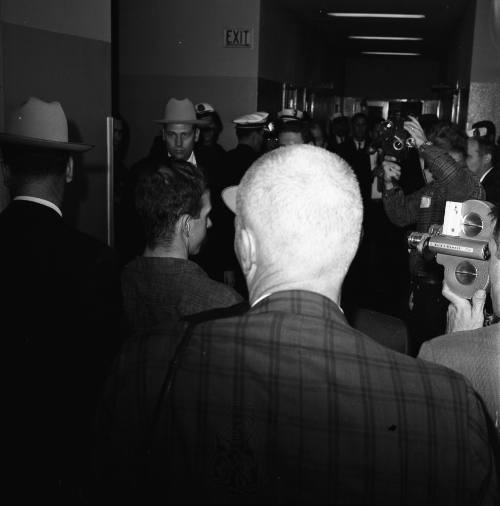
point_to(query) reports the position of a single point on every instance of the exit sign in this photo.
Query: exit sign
(238, 37)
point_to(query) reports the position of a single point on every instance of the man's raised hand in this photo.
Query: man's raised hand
(464, 314)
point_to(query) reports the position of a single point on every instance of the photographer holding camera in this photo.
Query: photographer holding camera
(469, 348)
(444, 161)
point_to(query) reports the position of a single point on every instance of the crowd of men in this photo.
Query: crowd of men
(272, 368)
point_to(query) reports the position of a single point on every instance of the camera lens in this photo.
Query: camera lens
(397, 145)
(465, 273)
(472, 224)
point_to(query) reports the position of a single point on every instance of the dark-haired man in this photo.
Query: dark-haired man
(355, 151)
(173, 203)
(445, 161)
(60, 308)
(480, 154)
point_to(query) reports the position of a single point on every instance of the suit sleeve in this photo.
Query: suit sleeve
(454, 180)
(401, 209)
(102, 304)
(484, 456)
(426, 352)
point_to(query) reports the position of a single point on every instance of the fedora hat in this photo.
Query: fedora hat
(40, 124)
(180, 111)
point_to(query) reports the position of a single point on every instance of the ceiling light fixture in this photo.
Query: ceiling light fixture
(374, 15)
(389, 53)
(368, 37)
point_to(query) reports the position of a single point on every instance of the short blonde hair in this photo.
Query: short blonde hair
(304, 205)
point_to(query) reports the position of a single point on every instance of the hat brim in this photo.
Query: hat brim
(41, 143)
(260, 126)
(229, 197)
(197, 122)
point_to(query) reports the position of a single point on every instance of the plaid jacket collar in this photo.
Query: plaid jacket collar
(300, 302)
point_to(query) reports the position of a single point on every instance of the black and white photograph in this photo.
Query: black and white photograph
(250, 252)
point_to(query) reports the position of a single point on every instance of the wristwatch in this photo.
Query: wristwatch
(426, 143)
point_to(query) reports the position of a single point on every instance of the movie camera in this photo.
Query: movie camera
(393, 139)
(460, 245)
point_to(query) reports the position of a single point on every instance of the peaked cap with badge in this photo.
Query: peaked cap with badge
(254, 120)
(290, 115)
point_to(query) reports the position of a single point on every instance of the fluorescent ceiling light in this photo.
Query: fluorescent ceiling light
(390, 53)
(374, 15)
(368, 37)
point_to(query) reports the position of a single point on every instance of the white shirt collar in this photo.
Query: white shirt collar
(262, 297)
(191, 159)
(485, 174)
(43, 202)
(267, 294)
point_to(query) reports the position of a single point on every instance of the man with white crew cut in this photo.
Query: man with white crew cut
(288, 404)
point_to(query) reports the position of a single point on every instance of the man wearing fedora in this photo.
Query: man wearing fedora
(60, 307)
(180, 129)
(180, 132)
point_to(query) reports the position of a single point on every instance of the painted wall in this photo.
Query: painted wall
(458, 64)
(290, 51)
(175, 49)
(459, 55)
(484, 100)
(384, 78)
(60, 50)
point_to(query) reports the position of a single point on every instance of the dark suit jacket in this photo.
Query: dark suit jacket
(491, 185)
(237, 161)
(360, 164)
(287, 404)
(60, 304)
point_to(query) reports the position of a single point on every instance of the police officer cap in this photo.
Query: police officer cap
(290, 115)
(484, 128)
(254, 120)
(203, 108)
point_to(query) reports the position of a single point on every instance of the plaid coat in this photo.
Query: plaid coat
(287, 404)
(426, 206)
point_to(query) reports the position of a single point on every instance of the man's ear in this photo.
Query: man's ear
(6, 174)
(487, 159)
(196, 134)
(247, 251)
(69, 170)
(184, 224)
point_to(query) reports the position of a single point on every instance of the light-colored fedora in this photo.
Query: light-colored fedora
(180, 111)
(40, 124)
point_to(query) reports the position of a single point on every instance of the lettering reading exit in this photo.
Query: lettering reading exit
(235, 37)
